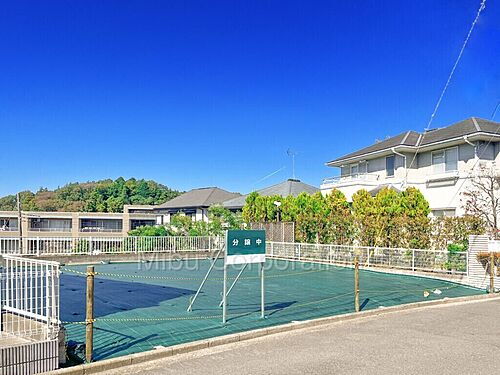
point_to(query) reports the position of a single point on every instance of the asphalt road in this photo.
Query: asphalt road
(449, 339)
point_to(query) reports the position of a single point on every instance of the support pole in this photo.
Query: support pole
(262, 293)
(19, 223)
(234, 282)
(492, 272)
(190, 307)
(89, 321)
(224, 296)
(356, 284)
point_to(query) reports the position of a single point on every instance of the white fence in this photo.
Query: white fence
(396, 258)
(29, 297)
(107, 245)
(29, 315)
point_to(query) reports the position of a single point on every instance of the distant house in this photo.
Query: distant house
(289, 187)
(439, 162)
(194, 203)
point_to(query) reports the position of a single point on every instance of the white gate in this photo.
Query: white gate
(29, 315)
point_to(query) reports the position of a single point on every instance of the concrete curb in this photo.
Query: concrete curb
(109, 364)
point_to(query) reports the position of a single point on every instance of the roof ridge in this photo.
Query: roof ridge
(478, 128)
(420, 139)
(405, 137)
(209, 195)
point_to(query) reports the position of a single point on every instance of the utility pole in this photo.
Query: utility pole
(19, 222)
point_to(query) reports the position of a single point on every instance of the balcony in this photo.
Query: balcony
(52, 229)
(101, 225)
(8, 225)
(351, 179)
(8, 229)
(49, 225)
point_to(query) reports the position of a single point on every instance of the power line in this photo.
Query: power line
(450, 76)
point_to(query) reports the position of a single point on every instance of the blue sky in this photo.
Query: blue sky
(203, 93)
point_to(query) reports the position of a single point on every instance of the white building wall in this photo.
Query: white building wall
(443, 190)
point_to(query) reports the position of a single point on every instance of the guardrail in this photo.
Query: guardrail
(106, 245)
(440, 261)
(370, 177)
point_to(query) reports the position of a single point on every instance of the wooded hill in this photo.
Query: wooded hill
(94, 196)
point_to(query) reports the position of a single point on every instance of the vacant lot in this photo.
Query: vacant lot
(450, 339)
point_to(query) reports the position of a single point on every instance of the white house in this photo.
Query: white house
(439, 162)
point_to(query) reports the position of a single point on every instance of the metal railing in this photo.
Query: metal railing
(9, 229)
(370, 177)
(29, 302)
(440, 261)
(61, 229)
(106, 245)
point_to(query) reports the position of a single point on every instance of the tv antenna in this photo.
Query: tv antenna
(292, 154)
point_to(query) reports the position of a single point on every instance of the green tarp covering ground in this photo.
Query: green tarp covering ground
(142, 305)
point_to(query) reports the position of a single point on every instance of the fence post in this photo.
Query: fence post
(89, 321)
(492, 272)
(356, 284)
(90, 246)
(413, 259)
(38, 246)
(300, 251)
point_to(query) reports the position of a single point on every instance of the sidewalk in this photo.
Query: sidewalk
(448, 339)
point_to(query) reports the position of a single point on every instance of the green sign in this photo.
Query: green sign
(245, 246)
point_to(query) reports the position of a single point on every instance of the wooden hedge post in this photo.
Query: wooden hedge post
(89, 321)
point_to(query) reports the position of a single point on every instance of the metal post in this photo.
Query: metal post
(224, 296)
(356, 284)
(413, 260)
(262, 292)
(206, 277)
(89, 321)
(234, 282)
(19, 223)
(492, 272)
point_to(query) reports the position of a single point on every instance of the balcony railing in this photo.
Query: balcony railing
(100, 229)
(367, 177)
(55, 229)
(9, 229)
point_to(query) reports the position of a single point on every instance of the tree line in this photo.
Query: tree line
(96, 196)
(388, 219)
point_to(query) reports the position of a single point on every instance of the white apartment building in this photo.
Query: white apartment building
(438, 162)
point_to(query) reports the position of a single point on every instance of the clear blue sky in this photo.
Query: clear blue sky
(202, 93)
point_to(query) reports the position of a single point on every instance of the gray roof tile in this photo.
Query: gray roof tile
(411, 138)
(202, 197)
(285, 188)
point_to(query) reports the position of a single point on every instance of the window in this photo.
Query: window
(448, 212)
(389, 166)
(100, 225)
(8, 225)
(445, 161)
(141, 223)
(354, 170)
(50, 225)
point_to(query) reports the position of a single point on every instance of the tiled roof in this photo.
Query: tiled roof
(203, 197)
(415, 139)
(285, 188)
